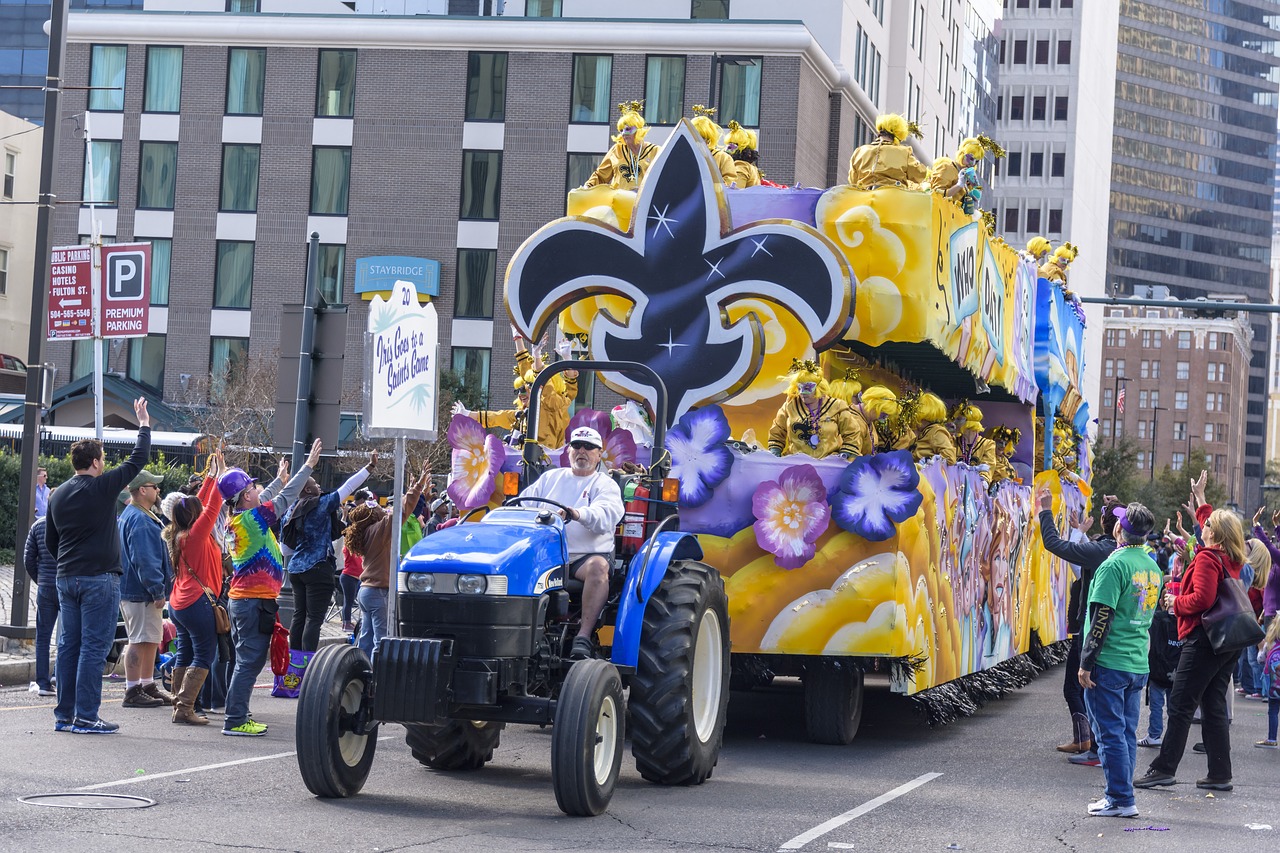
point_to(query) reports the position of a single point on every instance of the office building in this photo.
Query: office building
(19, 182)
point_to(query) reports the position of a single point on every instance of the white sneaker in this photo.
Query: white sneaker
(1105, 808)
(1150, 741)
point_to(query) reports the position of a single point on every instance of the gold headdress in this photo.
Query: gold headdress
(1006, 435)
(991, 145)
(989, 222)
(806, 366)
(630, 107)
(847, 388)
(708, 112)
(913, 128)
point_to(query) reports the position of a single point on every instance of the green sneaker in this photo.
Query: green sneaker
(246, 729)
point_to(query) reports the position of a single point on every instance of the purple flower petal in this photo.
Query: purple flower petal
(699, 458)
(464, 431)
(791, 514)
(876, 493)
(598, 421)
(475, 469)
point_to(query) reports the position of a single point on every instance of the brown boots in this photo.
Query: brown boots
(187, 682)
(1083, 735)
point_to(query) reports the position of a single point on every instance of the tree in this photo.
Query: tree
(1114, 470)
(1170, 489)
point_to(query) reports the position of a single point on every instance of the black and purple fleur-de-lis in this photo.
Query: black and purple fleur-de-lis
(682, 267)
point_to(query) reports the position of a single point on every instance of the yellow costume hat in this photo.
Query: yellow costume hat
(1038, 246)
(806, 371)
(704, 122)
(879, 400)
(631, 116)
(930, 409)
(894, 125)
(740, 136)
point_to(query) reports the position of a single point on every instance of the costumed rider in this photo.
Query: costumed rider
(957, 177)
(742, 145)
(972, 447)
(1039, 249)
(1006, 442)
(553, 409)
(1055, 268)
(704, 123)
(628, 161)
(594, 504)
(881, 409)
(813, 422)
(887, 160)
(932, 436)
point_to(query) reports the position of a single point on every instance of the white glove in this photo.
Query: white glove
(565, 349)
(459, 409)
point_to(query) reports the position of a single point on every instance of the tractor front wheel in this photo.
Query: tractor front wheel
(586, 739)
(333, 758)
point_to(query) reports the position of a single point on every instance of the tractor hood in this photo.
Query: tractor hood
(509, 542)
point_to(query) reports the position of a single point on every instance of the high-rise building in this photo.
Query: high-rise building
(1194, 164)
(1055, 121)
(19, 177)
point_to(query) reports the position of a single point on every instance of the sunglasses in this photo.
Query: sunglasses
(582, 445)
(807, 387)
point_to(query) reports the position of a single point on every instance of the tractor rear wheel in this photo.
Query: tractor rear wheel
(586, 738)
(680, 692)
(333, 759)
(457, 745)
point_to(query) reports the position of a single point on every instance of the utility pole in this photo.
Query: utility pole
(39, 310)
(1115, 404)
(1155, 423)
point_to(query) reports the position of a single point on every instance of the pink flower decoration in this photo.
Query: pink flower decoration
(477, 460)
(791, 514)
(619, 445)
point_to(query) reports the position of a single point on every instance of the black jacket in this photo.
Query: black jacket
(40, 564)
(1087, 555)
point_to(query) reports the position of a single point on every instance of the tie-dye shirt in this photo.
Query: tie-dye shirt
(255, 553)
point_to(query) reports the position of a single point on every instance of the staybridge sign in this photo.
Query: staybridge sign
(379, 275)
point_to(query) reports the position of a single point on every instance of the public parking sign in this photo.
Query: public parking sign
(126, 293)
(70, 294)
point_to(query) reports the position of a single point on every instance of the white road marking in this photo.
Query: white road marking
(840, 820)
(133, 780)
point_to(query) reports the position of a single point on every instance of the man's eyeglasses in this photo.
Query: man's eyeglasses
(582, 445)
(149, 486)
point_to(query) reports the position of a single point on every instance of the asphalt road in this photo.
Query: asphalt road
(1000, 787)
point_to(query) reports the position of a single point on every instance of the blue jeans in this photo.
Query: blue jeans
(46, 615)
(1273, 717)
(252, 647)
(350, 591)
(1158, 696)
(1115, 701)
(1245, 671)
(197, 634)
(373, 623)
(89, 608)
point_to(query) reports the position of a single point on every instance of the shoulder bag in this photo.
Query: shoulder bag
(221, 619)
(1229, 622)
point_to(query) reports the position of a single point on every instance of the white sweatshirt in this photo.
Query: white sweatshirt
(596, 497)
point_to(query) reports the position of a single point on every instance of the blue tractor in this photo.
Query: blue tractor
(484, 628)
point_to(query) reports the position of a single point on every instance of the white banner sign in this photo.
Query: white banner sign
(402, 343)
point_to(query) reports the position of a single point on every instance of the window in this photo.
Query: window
(4, 272)
(542, 8)
(1004, 53)
(1044, 4)
(1033, 220)
(1106, 429)
(1055, 220)
(1064, 51)
(472, 365)
(1106, 398)
(1020, 52)
(1212, 340)
(579, 169)
(1108, 368)
(1035, 164)
(1179, 460)
(102, 183)
(1143, 402)
(713, 10)
(477, 270)
(1015, 162)
(1156, 338)
(243, 6)
(1120, 362)
(1017, 108)
(1057, 165)
(1155, 370)
(1142, 429)
(146, 361)
(1182, 370)
(1208, 431)
(333, 261)
(1208, 402)
(106, 76)
(999, 115)
(1179, 430)
(82, 357)
(1155, 399)
(226, 358)
(330, 180)
(486, 86)
(1042, 51)
(481, 184)
(1184, 340)
(1060, 109)
(246, 75)
(233, 275)
(1144, 370)
(1216, 372)
(157, 175)
(1180, 400)
(1038, 106)
(162, 92)
(740, 92)
(10, 172)
(1109, 337)
(239, 178)
(663, 89)
(1011, 220)
(161, 262)
(336, 83)
(1142, 460)
(866, 66)
(589, 99)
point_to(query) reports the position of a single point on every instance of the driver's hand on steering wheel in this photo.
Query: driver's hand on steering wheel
(570, 514)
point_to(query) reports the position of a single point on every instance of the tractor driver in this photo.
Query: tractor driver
(594, 504)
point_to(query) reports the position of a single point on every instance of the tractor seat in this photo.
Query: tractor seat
(617, 570)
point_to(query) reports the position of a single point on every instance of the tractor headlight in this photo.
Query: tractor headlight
(472, 584)
(420, 581)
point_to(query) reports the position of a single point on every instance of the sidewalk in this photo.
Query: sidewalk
(18, 657)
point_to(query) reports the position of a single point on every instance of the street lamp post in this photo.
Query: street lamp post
(1187, 457)
(1155, 423)
(1115, 403)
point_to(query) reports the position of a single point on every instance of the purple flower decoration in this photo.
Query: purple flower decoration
(477, 459)
(619, 445)
(876, 493)
(791, 513)
(700, 460)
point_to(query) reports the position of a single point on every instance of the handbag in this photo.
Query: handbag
(221, 619)
(1230, 622)
(279, 649)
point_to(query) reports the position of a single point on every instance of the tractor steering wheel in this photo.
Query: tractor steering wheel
(518, 499)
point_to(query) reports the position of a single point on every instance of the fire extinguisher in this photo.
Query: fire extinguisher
(636, 506)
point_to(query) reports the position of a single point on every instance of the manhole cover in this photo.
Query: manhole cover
(87, 801)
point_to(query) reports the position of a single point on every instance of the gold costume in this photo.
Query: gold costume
(1003, 469)
(726, 165)
(981, 451)
(622, 170)
(935, 440)
(837, 429)
(747, 174)
(882, 162)
(553, 411)
(1053, 272)
(944, 175)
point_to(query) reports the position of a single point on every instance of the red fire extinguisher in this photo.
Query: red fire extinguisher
(636, 506)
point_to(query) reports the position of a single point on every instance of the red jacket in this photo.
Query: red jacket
(1200, 582)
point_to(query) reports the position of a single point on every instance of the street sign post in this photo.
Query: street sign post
(70, 314)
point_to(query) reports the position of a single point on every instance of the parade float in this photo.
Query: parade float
(881, 555)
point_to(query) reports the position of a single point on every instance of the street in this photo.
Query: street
(989, 783)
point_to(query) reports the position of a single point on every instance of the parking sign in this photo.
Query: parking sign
(126, 291)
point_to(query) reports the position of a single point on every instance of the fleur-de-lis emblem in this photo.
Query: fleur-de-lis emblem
(682, 267)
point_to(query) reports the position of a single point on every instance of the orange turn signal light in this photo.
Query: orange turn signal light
(671, 490)
(510, 483)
